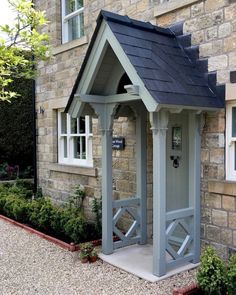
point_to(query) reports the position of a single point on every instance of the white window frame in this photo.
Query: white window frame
(70, 159)
(65, 20)
(230, 144)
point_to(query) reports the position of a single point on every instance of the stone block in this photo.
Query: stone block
(217, 156)
(206, 215)
(224, 30)
(234, 238)
(197, 37)
(197, 9)
(219, 62)
(213, 233)
(205, 49)
(232, 59)
(226, 236)
(212, 5)
(230, 43)
(230, 12)
(228, 203)
(223, 77)
(211, 33)
(232, 220)
(205, 155)
(219, 217)
(183, 14)
(213, 200)
(166, 19)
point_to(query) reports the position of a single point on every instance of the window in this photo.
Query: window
(72, 20)
(231, 141)
(74, 140)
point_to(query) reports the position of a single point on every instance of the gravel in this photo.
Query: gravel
(31, 265)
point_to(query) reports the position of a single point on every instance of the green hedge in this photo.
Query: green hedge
(66, 223)
(16, 128)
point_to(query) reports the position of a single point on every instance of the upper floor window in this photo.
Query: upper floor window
(74, 140)
(72, 20)
(231, 141)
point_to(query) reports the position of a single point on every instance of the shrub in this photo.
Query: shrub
(75, 228)
(232, 275)
(97, 210)
(211, 275)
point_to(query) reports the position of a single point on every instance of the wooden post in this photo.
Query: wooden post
(159, 123)
(141, 173)
(194, 179)
(105, 114)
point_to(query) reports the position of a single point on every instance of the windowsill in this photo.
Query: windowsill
(170, 6)
(224, 187)
(87, 171)
(70, 45)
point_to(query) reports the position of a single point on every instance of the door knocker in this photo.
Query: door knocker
(176, 160)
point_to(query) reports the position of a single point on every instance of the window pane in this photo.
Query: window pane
(234, 122)
(65, 146)
(63, 123)
(82, 125)
(79, 147)
(76, 27)
(74, 125)
(73, 5)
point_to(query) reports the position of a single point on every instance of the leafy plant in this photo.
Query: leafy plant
(75, 228)
(76, 201)
(211, 275)
(22, 36)
(231, 274)
(97, 210)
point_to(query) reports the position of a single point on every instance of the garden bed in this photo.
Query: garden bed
(68, 246)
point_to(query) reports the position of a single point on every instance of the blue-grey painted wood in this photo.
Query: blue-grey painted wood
(132, 241)
(179, 262)
(105, 115)
(107, 228)
(141, 169)
(126, 202)
(159, 123)
(194, 177)
(181, 213)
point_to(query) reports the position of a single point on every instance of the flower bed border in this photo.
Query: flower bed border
(186, 290)
(70, 247)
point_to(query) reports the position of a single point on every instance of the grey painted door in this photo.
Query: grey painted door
(177, 162)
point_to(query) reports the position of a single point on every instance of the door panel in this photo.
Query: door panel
(177, 162)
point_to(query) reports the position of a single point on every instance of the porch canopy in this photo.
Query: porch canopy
(160, 77)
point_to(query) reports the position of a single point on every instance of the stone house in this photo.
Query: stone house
(173, 141)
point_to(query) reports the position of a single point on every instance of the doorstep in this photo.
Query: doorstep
(137, 260)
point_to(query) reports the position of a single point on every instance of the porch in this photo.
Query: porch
(128, 72)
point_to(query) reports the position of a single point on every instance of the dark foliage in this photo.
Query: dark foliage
(16, 127)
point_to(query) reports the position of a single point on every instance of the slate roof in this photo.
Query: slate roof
(167, 71)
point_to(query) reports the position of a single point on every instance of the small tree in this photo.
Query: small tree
(21, 37)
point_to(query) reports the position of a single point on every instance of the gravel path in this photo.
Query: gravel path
(31, 265)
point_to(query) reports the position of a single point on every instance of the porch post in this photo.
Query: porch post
(141, 174)
(159, 123)
(194, 179)
(105, 114)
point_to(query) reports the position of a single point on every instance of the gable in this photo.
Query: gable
(153, 59)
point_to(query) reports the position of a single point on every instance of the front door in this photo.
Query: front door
(177, 155)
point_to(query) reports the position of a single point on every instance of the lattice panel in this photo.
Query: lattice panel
(131, 235)
(179, 238)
